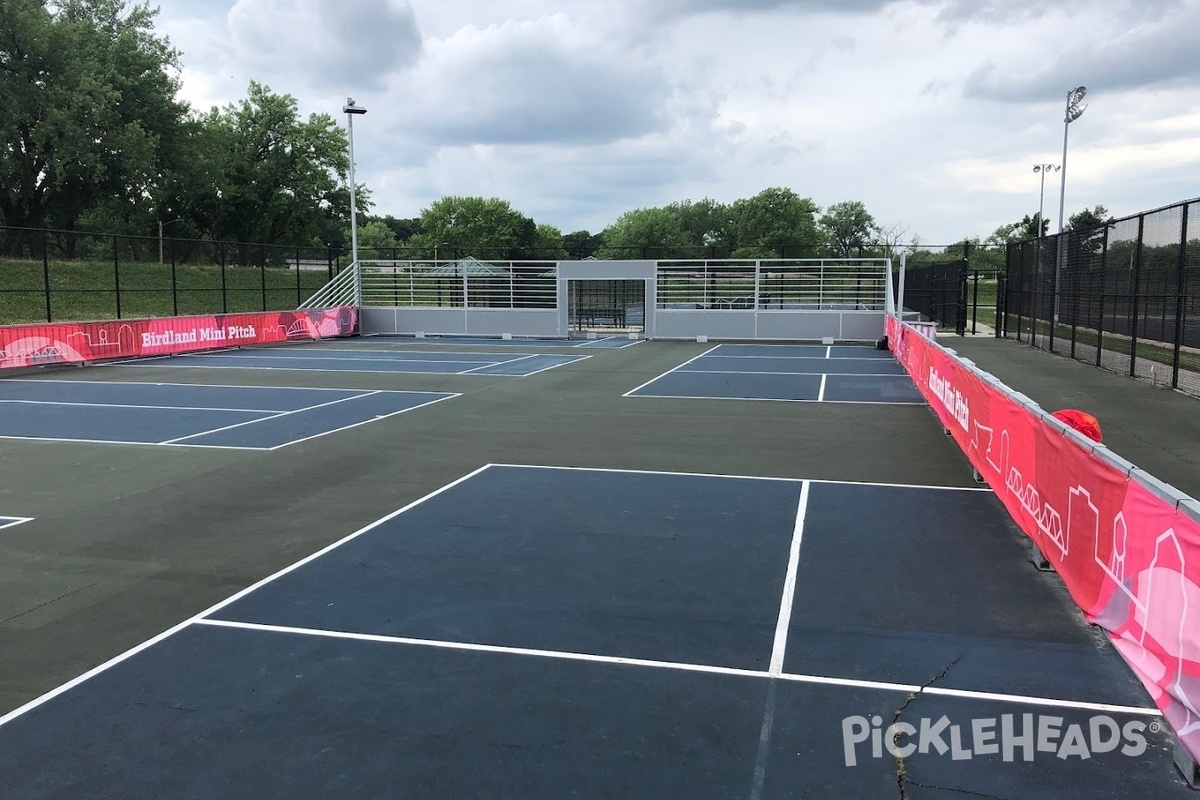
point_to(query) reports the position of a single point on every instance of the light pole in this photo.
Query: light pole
(350, 110)
(435, 251)
(1074, 112)
(1041, 229)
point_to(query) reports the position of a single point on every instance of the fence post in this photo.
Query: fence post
(975, 303)
(960, 318)
(224, 293)
(1137, 287)
(1074, 310)
(299, 299)
(262, 270)
(1001, 331)
(174, 283)
(46, 271)
(1060, 266)
(329, 261)
(117, 274)
(1103, 279)
(1180, 298)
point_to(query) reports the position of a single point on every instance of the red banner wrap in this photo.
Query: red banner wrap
(1128, 557)
(75, 342)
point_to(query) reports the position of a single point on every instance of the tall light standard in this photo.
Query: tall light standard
(1074, 112)
(1041, 229)
(350, 110)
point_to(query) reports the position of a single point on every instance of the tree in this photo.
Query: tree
(890, 237)
(708, 224)
(87, 109)
(1089, 218)
(277, 178)
(402, 229)
(548, 244)
(1088, 226)
(645, 233)
(581, 244)
(849, 227)
(375, 240)
(475, 226)
(1021, 231)
(775, 223)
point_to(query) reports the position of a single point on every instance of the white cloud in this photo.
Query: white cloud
(576, 111)
(544, 80)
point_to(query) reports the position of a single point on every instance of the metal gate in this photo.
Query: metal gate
(606, 306)
(939, 292)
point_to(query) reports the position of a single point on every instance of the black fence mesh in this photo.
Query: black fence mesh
(1123, 296)
(938, 291)
(49, 275)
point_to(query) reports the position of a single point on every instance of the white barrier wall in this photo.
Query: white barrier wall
(716, 320)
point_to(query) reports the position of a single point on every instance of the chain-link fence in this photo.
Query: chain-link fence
(48, 275)
(1124, 296)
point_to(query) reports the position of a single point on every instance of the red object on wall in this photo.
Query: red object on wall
(1081, 421)
(79, 342)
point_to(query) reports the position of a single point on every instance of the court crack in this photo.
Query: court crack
(45, 603)
(967, 792)
(901, 768)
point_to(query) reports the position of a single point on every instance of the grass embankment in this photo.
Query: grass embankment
(82, 290)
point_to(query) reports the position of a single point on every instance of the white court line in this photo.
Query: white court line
(359, 350)
(83, 382)
(799, 358)
(779, 399)
(767, 372)
(112, 662)
(821, 391)
(742, 477)
(779, 649)
(829, 352)
(678, 666)
(125, 443)
(361, 370)
(131, 405)
(272, 416)
(576, 359)
(56, 439)
(497, 364)
(245, 356)
(12, 522)
(364, 422)
(668, 372)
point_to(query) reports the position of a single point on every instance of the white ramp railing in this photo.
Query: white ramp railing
(343, 290)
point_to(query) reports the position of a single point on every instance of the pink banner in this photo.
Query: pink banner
(75, 342)
(1129, 558)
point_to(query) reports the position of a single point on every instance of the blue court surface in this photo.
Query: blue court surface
(8, 522)
(544, 633)
(794, 373)
(363, 359)
(191, 415)
(599, 343)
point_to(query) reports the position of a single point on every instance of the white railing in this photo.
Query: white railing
(425, 284)
(781, 285)
(341, 291)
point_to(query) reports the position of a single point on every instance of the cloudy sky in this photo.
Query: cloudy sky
(931, 112)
